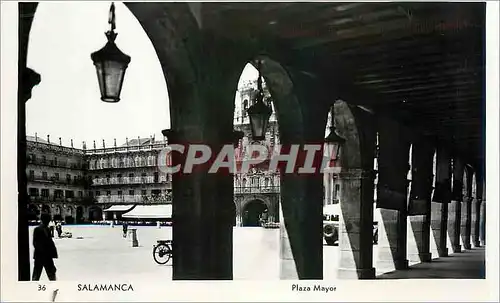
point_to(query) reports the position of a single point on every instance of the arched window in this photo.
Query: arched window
(244, 184)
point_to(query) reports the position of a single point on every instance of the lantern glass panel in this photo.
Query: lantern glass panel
(110, 75)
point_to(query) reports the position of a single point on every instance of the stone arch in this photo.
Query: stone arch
(58, 213)
(285, 101)
(95, 213)
(79, 216)
(33, 212)
(46, 209)
(252, 210)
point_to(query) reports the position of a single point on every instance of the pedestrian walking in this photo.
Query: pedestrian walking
(45, 250)
(59, 229)
(125, 228)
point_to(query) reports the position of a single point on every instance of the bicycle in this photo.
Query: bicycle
(162, 252)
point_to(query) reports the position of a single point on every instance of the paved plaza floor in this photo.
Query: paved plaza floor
(99, 252)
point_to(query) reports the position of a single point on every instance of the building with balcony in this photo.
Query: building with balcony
(78, 185)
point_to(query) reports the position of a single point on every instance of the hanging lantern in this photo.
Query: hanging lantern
(110, 64)
(259, 112)
(333, 142)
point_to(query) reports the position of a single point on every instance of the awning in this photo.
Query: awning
(163, 211)
(120, 207)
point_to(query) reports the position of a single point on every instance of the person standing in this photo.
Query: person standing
(45, 250)
(52, 226)
(59, 229)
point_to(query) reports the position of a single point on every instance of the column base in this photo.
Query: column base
(425, 257)
(396, 264)
(420, 257)
(457, 248)
(355, 274)
(443, 252)
(467, 246)
(477, 244)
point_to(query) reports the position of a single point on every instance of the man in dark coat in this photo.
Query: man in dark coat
(45, 250)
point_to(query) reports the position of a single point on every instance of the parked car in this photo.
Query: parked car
(331, 225)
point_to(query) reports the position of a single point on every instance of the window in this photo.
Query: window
(32, 175)
(80, 194)
(55, 160)
(143, 192)
(119, 178)
(131, 192)
(44, 175)
(68, 178)
(58, 193)
(33, 158)
(97, 193)
(156, 177)
(255, 182)
(245, 107)
(131, 176)
(33, 192)
(143, 178)
(155, 192)
(69, 194)
(56, 176)
(45, 192)
(44, 159)
(91, 193)
(108, 193)
(120, 193)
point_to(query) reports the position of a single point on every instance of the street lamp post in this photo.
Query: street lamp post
(333, 142)
(110, 63)
(259, 112)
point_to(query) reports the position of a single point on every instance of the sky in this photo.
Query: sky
(67, 102)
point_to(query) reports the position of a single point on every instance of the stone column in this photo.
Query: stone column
(203, 216)
(482, 228)
(441, 198)
(27, 79)
(393, 164)
(455, 207)
(356, 225)
(419, 208)
(467, 209)
(466, 221)
(476, 222)
(356, 192)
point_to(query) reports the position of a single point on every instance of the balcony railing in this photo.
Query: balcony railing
(58, 164)
(53, 180)
(127, 181)
(133, 199)
(124, 166)
(52, 198)
(256, 189)
(125, 149)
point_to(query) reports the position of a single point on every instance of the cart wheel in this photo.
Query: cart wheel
(162, 253)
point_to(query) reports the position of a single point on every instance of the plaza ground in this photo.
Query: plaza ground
(101, 253)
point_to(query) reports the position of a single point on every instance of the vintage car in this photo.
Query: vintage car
(331, 225)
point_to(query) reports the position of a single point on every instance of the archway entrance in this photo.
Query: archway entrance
(46, 209)
(95, 214)
(79, 214)
(58, 213)
(33, 212)
(253, 212)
